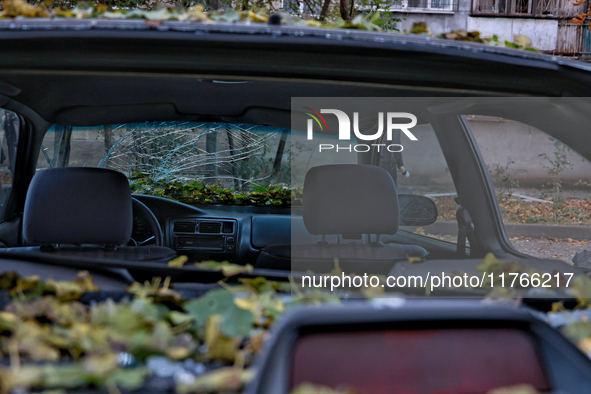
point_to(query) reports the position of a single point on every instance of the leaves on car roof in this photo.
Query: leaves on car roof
(227, 268)
(53, 340)
(177, 12)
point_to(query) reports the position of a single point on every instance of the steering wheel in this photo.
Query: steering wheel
(141, 209)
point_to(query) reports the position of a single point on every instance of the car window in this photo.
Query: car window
(427, 174)
(9, 135)
(229, 155)
(239, 157)
(542, 186)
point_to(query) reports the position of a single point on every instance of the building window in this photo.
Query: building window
(425, 5)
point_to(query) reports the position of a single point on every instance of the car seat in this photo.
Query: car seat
(84, 212)
(345, 199)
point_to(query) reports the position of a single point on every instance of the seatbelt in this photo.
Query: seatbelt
(466, 229)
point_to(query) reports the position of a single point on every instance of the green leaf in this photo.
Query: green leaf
(128, 378)
(235, 321)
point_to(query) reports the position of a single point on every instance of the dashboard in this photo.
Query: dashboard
(210, 238)
(238, 233)
(220, 233)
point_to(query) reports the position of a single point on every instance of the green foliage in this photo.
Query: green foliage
(556, 165)
(196, 192)
(505, 178)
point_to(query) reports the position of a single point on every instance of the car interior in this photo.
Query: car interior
(338, 219)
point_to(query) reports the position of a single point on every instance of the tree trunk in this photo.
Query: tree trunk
(343, 7)
(232, 166)
(279, 154)
(108, 130)
(211, 146)
(61, 145)
(324, 10)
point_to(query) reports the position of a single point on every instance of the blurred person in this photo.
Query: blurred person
(392, 161)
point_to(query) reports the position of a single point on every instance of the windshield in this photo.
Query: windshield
(219, 156)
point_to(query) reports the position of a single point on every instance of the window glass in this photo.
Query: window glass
(235, 156)
(542, 186)
(238, 157)
(426, 173)
(9, 134)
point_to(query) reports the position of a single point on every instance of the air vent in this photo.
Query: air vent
(210, 227)
(184, 227)
(228, 228)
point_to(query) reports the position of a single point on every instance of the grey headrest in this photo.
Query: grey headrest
(78, 206)
(350, 199)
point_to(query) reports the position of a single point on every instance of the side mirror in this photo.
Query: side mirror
(416, 210)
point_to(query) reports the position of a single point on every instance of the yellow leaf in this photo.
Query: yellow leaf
(219, 346)
(178, 262)
(522, 40)
(229, 379)
(178, 353)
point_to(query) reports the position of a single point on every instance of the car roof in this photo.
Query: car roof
(411, 41)
(98, 71)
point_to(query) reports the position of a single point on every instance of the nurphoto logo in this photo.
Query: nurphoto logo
(392, 119)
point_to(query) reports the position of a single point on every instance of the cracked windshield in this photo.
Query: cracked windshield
(194, 163)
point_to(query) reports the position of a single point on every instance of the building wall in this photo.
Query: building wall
(438, 22)
(542, 32)
(500, 142)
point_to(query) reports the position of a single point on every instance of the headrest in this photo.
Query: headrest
(78, 206)
(350, 199)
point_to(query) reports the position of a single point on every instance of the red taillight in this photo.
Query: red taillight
(458, 361)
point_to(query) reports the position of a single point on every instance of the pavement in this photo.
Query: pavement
(544, 241)
(540, 240)
(553, 248)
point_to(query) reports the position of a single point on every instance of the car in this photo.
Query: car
(266, 166)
